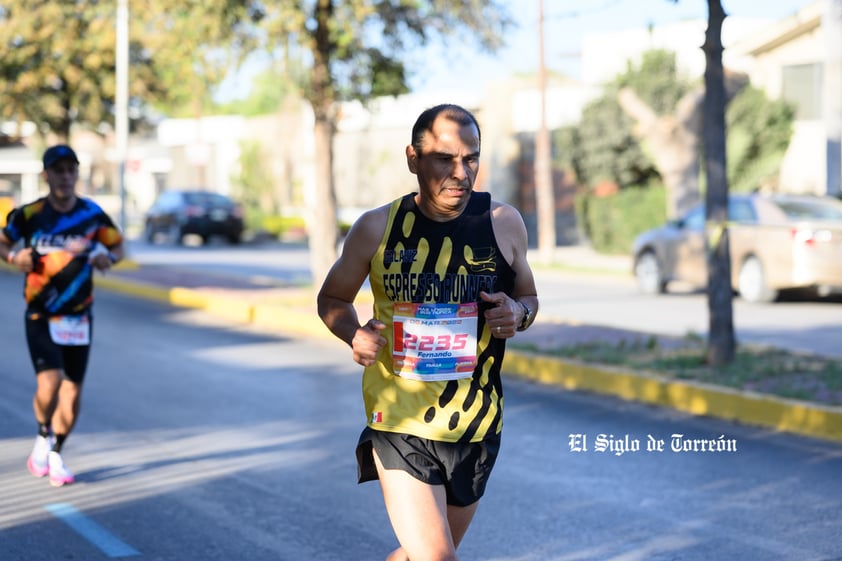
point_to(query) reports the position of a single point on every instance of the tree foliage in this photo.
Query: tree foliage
(657, 80)
(57, 66)
(365, 43)
(603, 143)
(195, 44)
(759, 131)
(606, 148)
(54, 69)
(603, 148)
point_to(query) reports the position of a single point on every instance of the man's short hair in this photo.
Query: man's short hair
(425, 121)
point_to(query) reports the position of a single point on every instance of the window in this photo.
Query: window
(695, 219)
(807, 210)
(802, 86)
(741, 210)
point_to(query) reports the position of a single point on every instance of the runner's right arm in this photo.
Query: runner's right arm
(343, 282)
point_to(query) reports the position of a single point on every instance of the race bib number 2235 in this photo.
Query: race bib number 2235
(434, 342)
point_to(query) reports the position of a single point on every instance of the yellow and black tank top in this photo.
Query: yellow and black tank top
(421, 261)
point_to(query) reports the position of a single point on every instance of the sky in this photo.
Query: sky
(459, 66)
(566, 23)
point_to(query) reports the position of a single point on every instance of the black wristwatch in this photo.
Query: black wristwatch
(527, 317)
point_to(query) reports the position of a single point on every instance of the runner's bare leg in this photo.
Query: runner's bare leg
(426, 527)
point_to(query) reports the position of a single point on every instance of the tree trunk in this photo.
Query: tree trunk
(674, 145)
(66, 121)
(322, 226)
(721, 344)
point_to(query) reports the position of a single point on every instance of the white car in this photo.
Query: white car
(777, 242)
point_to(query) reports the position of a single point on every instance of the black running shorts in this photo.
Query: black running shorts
(47, 355)
(462, 467)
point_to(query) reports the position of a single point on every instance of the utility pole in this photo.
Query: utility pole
(121, 102)
(544, 195)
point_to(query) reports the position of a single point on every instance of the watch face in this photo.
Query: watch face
(527, 313)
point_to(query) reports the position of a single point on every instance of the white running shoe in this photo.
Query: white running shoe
(38, 460)
(59, 474)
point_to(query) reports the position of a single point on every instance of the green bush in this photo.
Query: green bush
(759, 130)
(280, 225)
(611, 223)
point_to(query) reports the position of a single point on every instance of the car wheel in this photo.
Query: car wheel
(751, 283)
(648, 273)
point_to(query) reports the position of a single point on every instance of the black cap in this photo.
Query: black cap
(59, 152)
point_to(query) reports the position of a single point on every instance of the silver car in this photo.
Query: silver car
(777, 242)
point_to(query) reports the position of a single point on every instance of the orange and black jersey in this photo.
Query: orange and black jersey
(421, 261)
(62, 282)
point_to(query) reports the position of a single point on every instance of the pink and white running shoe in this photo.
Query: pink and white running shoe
(59, 474)
(38, 460)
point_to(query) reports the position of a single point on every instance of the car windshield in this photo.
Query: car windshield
(739, 210)
(815, 210)
(207, 199)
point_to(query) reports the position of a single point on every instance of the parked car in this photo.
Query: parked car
(777, 242)
(178, 213)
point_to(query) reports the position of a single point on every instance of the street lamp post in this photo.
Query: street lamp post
(121, 102)
(544, 195)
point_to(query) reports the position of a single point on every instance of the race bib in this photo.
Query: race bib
(70, 330)
(433, 342)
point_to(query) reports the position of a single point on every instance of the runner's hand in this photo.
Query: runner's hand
(367, 342)
(23, 259)
(101, 261)
(502, 316)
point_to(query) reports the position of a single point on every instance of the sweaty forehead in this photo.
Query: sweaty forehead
(447, 134)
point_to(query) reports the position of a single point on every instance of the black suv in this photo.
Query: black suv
(176, 214)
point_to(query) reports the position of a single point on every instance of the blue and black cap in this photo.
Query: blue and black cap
(59, 152)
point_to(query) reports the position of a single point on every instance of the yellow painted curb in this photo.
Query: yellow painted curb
(695, 398)
(149, 292)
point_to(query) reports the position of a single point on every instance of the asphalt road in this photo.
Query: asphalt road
(202, 440)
